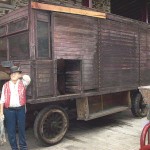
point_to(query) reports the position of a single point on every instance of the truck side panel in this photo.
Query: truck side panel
(118, 56)
(144, 55)
(75, 38)
(109, 50)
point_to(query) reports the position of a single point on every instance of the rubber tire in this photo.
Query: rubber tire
(38, 122)
(135, 107)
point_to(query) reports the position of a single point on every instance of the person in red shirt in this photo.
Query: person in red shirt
(13, 100)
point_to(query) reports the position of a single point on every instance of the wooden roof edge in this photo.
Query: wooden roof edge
(69, 10)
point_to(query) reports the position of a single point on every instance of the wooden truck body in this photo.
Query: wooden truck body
(96, 62)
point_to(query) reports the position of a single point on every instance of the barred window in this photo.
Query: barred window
(43, 39)
(18, 25)
(19, 46)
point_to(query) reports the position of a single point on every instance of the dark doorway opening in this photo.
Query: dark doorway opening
(68, 76)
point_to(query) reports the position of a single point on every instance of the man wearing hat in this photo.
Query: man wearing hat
(13, 100)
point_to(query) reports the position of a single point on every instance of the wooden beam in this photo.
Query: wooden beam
(69, 10)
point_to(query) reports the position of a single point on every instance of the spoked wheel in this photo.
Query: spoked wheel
(138, 107)
(51, 124)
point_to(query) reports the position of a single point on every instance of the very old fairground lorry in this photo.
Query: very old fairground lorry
(81, 62)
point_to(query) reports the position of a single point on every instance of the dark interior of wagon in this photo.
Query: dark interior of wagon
(68, 76)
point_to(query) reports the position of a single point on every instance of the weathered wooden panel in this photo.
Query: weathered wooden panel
(26, 68)
(90, 73)
(95, 104)
(44, 78)
(113, 100)
(118, 55)
(144, 56)
(75, 37)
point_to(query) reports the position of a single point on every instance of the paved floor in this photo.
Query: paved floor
(120, 131)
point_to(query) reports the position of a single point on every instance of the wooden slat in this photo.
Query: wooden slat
(144, 56)
(69, 10)
(119, 56)
(44, 77)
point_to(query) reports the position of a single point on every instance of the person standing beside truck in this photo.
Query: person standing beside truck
(13, 103)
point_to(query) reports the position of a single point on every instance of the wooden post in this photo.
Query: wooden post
(90, 4)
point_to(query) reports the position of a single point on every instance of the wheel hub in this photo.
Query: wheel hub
(54, 125)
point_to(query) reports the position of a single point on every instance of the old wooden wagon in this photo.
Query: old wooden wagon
(80, 61)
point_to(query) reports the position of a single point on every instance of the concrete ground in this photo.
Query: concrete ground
(120, 131)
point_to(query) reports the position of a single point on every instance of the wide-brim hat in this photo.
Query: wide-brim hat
(14, 69)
